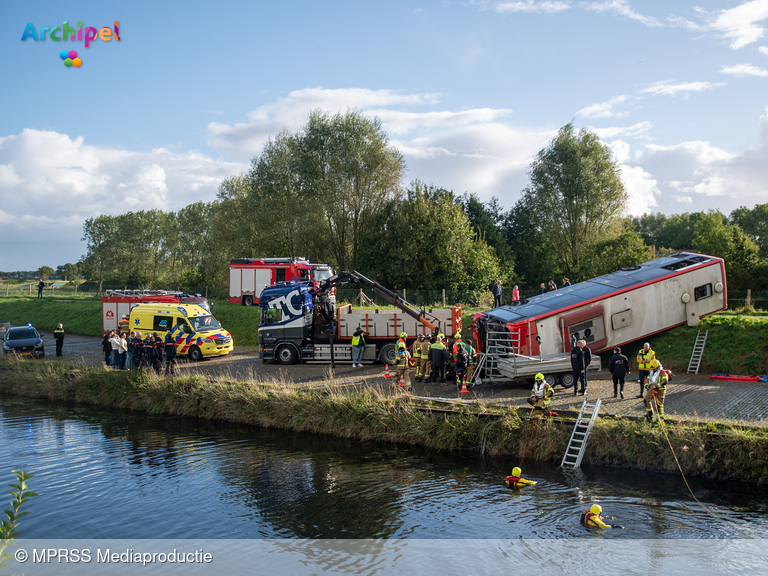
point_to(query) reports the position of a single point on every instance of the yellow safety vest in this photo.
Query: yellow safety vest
(644, 359)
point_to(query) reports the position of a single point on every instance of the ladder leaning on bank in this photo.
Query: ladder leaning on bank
(578, 442)
(698, 352)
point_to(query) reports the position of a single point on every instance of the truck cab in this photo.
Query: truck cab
(285, 331)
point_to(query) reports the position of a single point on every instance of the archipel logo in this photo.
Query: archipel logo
(88, 35)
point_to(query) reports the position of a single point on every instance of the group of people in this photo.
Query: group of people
(432, 357)
(550, 286)
(132, 352)
(589, 519)
(496, 291)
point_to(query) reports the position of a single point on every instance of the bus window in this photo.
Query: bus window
(701, 292)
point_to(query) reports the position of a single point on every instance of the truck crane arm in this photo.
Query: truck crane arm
(345, 277)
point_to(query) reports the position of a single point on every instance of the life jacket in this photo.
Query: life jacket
(462, 357)
(586, 518)
(512, 481)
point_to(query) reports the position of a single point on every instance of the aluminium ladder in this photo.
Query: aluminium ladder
(578, 442)
(698, 352)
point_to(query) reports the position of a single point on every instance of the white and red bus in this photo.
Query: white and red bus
(630, 304)
(249, 276)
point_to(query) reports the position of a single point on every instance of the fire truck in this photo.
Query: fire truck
(249, 276)
(300, 322)
(118, 303)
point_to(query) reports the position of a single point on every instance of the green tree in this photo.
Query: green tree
(424, 240)
(67, 271)
(487, 219)
(575, 196)
(44, 271)
(716, 236)
(755, 224)
(627, 249)
(99, 259)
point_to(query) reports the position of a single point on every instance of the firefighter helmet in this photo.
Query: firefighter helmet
(403, 335)
(422, 336)
(516, 471)
(539, 377)
(457, 336)
(655, 364)
(596, 509)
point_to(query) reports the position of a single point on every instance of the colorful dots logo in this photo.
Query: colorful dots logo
(70, 58)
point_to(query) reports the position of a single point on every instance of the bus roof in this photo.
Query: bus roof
(557, 300)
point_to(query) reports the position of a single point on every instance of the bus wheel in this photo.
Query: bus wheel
(387, 354)
(567, 380)
(286, 354)
(248, 301)
(194, 354)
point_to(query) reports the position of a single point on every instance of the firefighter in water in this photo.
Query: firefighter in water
(402, 361)
(541, 394)
(592, 519)
(655, 390)
(516, 480)
(644, 358)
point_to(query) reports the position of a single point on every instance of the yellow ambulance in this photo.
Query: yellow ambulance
(195, 331)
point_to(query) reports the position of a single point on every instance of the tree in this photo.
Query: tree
(716, 236)
(44, 271)
(67, 271)
(100, 256)
(627, 249)
(755, 224)
(487, 220)
(425, 240)
(575, 196)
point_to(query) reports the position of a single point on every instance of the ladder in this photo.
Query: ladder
(578, 442)
(698, 352)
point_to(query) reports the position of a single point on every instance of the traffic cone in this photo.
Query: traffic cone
(386, 371)
(464, 387)
(402, 381)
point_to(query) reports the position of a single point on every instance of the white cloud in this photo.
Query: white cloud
(763, 50)
(622, 8)
(741, 24)
(615, 131)
(664, 88)
(531, 6)
(741, 70)
(603, 109)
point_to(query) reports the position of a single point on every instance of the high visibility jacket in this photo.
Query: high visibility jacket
(358, 340)
(438, 354)
(401, 345)
(644, 359)
(424, 347)
(416, 349)
(58, 334)
(591, 520)
(543, 392)
(518, 481)
(658, 378)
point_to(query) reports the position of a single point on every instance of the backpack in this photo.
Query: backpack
(462, 357)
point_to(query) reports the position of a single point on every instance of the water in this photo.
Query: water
(112, 475)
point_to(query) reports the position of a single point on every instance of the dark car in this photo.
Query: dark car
(25, 341)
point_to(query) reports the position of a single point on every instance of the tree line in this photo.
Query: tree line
(332, 192)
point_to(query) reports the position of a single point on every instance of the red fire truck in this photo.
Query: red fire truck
(118, 303)
(249, 276)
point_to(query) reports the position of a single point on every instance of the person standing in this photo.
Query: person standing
(581, 356)
(129, 352)
(439, 357)
(542, 289)
(515, 294)
(358, 347)
(496, 290)
(403, 365)
(122, 351)
(40, 287)
(552, 286)
(618, 366)
(122, 325)
(58, 335)
(644, 358)
(656, 390)
(106, 347)
(159, 347)
(114, 344)
(420, 351)
(170, 355)
(566, 282)
(138, 352)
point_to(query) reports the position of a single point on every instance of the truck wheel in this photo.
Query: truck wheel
(194, 354)
(286, 354)
(567, 380)
(387, 354)
(248, 301)
(550, 379)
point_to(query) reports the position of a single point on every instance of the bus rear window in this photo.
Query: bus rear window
(701, 292)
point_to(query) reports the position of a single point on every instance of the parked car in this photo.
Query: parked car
(25, 341)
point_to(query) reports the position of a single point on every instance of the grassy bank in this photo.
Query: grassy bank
(372, 414)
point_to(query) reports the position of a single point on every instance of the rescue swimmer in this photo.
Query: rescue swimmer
(592, 519)
(516, 480)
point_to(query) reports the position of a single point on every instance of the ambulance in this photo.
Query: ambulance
(195, 331)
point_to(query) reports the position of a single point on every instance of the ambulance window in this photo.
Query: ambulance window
(162, 323)
(279, 275)
(702, 292)
(184, 326)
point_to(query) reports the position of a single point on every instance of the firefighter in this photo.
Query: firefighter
(170, 355)
(158, 360)
(644, 358)
(58, 335)
(456, 343)
(461, 361)
(401, 343)
(123, 325)
(138, 351)
(438, 356)
(655, 390)
(516, 480)
(592, 519)
(420, 351)
(403, 363)
(427, 372)
(541, 393)
(148, 346)
(472, 361)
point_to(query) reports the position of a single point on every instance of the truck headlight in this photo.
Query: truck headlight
(208, 340)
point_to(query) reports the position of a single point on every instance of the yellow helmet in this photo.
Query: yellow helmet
(655, 364)
(440, 336)
(457, 335)
(596, 509)
(403, 335)
(516, 471)
(539, 377)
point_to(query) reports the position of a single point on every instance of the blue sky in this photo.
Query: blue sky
(468, 91)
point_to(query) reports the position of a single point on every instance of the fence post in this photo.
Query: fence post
(6, 289)
(75, 287)
(404, 298)
(443, 297)
(30, 289)
(749, 298)
(206, 292)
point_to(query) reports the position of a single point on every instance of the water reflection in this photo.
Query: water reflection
(104, 474)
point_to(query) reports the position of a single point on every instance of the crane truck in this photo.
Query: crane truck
(301, 321)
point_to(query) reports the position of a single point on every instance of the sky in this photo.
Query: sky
(468, 91)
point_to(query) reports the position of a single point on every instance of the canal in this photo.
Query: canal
(119, 475)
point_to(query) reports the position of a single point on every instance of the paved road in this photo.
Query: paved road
(689, 397)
